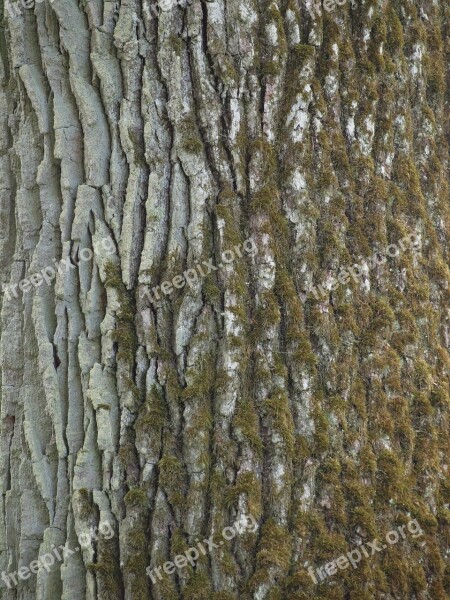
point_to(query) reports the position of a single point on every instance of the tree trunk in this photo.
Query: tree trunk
(184, 185)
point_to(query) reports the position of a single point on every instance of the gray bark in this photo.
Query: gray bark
(176, 135)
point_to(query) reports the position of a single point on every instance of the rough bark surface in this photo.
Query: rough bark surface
(324, 137)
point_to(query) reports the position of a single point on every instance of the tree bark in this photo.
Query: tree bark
(300, 140)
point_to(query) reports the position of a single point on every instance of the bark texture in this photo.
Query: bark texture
(324, 136)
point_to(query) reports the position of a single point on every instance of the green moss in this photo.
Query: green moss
(274, 548)
(217, 484)
(250, 485)
(136, 541)
(330, 470)
(406, 174)
(440, 397)
(395, 568)
(267, 314)
(439, 271)
(446, 579)
(382, 314)
(345, 316)
(109, 579)
(136, 498)
(301, 53)
(173, 387)
(106, 571)
(137, 141)
(287, 294)
(300, 586)
(226, 562)
(271, 68)
(302, 449)
(378, 40)
(167, 588)
(423, 375)
(247, 422)
(278, 410)
(321, 432)
(212, 291)
(172, 479)
(363, 517)
(97, 568)
(125, 333)
(304, 353)
(176, 43)
(226, 211)
(190, 138)
(127, 455)
(274, 16)
(85, 504)
(198, 587)
(192, 145)
(327, 546)
(137, 579)
(392, 480)
(136, 564)
(417, 580)
(308, 524)
(113, 276)
(127, 340)
(419, 290)
(152, 414)
(368, 462)
(200, 388)
(264, 200)
(265, 153)
(227, 71)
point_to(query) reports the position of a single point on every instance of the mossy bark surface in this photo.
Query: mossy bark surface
(177, 135)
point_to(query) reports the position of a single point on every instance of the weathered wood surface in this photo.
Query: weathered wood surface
(158, 139)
